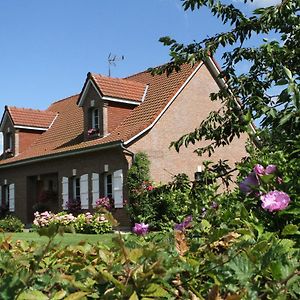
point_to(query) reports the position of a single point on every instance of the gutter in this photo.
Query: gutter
(62, 155)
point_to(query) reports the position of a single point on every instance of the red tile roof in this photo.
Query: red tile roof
(31, 117)
(119, 88)
(67, 135)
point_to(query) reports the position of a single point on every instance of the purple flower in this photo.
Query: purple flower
(214, 205)
(140, 228)
(259, 169)
(250, 182)
(270, 169)
(184, 224)
(275, 201)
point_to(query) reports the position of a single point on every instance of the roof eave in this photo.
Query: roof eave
(94, 148)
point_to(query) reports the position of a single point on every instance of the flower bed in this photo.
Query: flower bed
(83, 223)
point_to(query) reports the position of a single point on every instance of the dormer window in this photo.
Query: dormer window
(8, 143)
(95, 118)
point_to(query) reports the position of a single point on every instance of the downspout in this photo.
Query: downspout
(132, 154)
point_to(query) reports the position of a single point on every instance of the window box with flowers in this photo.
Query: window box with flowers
(8, 151)
(93, 131)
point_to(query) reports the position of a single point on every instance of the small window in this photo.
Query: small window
(95, 118)
(76, 188)
(5, 199)
(8, 143)
(108, 186)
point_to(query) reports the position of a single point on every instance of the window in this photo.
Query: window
(95, 118)
(108, 186)
(5, 201)
(8, 143)
(76, 188)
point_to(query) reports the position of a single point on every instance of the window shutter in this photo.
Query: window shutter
(95, 188)
(118, 188)
(84, 191)
(65, 191)
(12, 197)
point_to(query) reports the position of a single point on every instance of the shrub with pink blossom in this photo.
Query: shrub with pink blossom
(275, 201)
(83, 223)
(105, 202)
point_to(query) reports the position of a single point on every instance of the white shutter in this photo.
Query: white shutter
(118, 188)
(11, 197)
(84, 191)
(95, 188)
(65, 191)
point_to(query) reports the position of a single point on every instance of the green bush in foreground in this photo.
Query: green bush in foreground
(11, 224)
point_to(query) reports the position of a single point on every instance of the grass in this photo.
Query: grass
(66, 239)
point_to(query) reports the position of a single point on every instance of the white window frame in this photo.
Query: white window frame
(105, 186)
(95, 118)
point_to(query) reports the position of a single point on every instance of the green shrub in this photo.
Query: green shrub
(11, 224)
(88, 223)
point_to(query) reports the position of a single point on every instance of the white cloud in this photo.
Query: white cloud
(260, 3)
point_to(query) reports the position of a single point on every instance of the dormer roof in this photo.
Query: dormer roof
(28, 118)
(115, 89)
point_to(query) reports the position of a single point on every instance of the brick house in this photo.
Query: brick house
(82, 146)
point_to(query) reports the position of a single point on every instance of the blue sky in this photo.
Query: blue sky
(47, 47)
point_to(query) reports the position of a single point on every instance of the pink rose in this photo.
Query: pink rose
(275, 201)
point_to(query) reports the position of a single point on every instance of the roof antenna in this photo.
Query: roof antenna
(112, 59)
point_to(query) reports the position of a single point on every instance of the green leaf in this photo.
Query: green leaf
(77, 296)
(134, 296)
(155, 290)
(59, 295)
(290, 229)
(288, 73)
(32, 295)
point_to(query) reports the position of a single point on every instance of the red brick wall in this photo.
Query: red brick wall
(116, 113)
(84, 164)
(27, 138)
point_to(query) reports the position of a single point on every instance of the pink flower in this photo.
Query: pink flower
(270, 169)
(150, 188)
(249, 183)
(140, 228)
(259, 169)
(275, 201)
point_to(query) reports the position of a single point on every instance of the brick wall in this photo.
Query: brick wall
(190, 107)
(83, 163)
(27, 138)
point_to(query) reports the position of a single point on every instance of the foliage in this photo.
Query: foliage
(96, 223)
(250, 96)
(83, 223)
(74, 206)
(138, 173)
(11, 224)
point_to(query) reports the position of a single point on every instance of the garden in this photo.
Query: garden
(231, 234)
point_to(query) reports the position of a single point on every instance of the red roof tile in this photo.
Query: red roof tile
(67, 135)
(31, 117)
(119, 88)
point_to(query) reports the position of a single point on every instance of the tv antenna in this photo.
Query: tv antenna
(112, 59)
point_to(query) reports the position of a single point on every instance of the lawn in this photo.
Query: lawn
(66, 239)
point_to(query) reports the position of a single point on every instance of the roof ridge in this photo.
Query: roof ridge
(116, 78)
(27, 108)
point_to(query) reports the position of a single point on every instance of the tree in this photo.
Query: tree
(274, 63)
